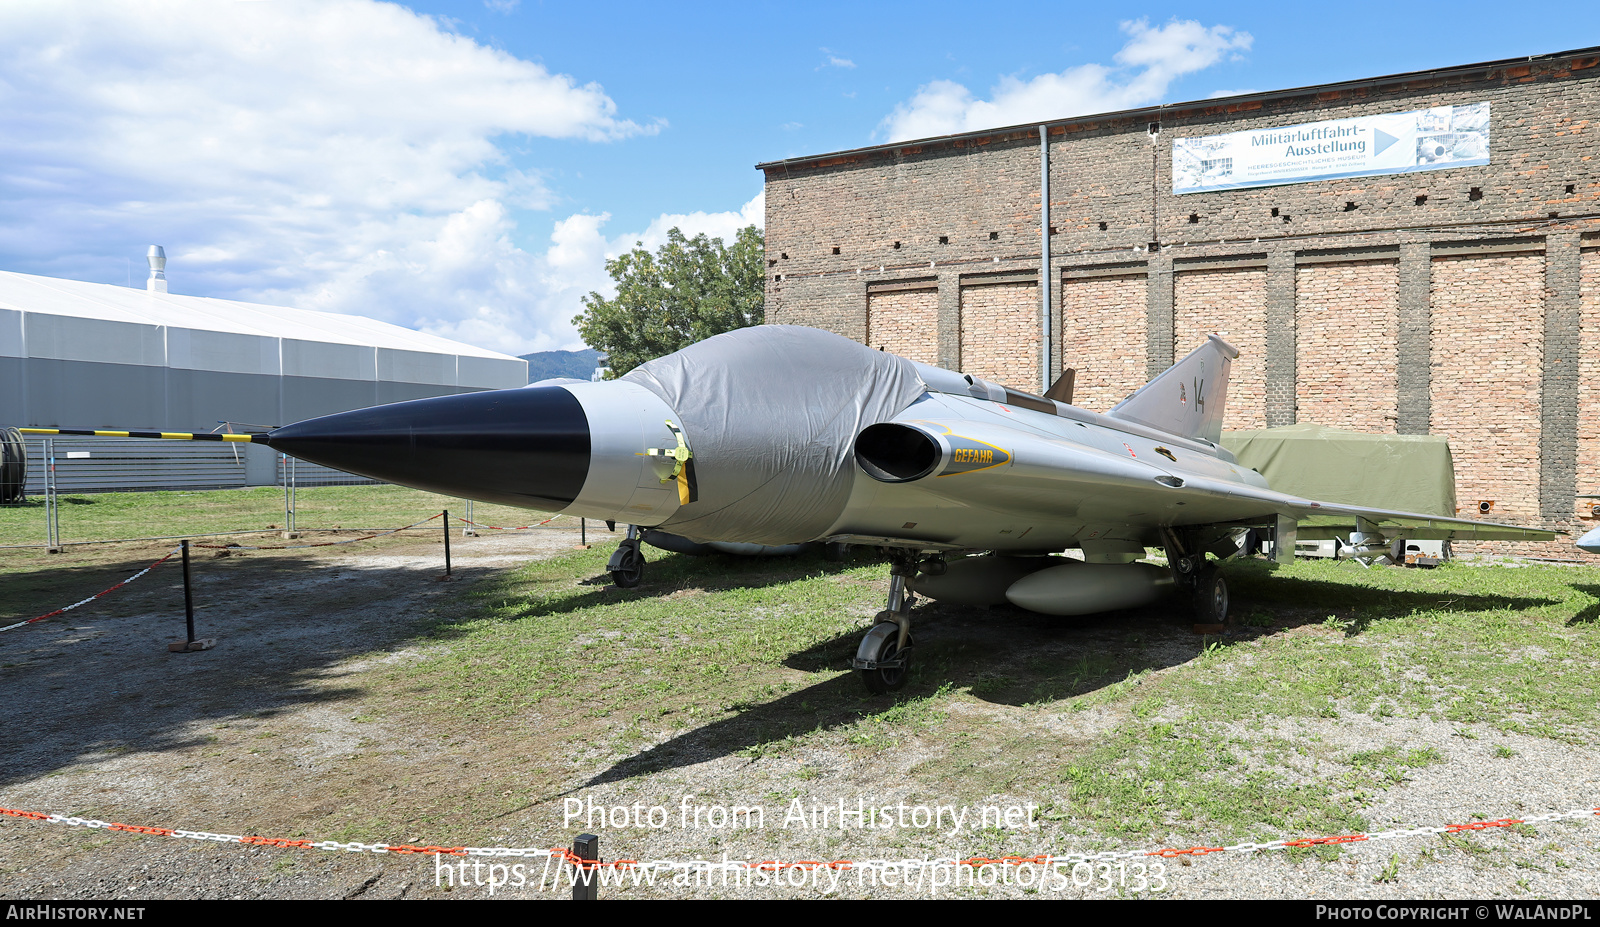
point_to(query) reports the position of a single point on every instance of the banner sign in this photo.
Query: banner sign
(1391, 143)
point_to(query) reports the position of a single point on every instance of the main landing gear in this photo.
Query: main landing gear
(1210, 596)
(1202, 582)
(883, 661)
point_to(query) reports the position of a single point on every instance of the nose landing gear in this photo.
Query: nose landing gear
(883, 661)
(627, 561)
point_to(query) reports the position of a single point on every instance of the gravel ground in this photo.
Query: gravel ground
(259, 737)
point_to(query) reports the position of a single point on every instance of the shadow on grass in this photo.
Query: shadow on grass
(1293, 601)
(98, 681)
(665, 574)
(1591, 614)
(1003, 655)
(1006, 655)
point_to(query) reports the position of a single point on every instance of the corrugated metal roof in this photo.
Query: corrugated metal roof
(74, 298)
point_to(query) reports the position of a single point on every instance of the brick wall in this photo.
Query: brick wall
(1231, 303)
(1346, 322)
(1486, 379)
(1589, 382)
(1102, 337)
(1000, 333)
(905, 323)
(837, 304)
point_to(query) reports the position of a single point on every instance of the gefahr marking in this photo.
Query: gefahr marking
(970, 459)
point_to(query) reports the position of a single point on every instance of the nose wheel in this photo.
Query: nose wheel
(627, 561)
(883, 661)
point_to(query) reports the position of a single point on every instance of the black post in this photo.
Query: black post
(188, 592)
(447, 542)
(583, 531)
(189, 644)
(586, 887)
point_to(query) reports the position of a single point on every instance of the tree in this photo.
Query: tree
(689, 290)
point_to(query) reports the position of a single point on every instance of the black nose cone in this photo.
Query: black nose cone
(523, 447)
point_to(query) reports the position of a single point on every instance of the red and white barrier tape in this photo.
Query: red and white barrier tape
(771, 865)
(175, 550)
(367, 537)
(498, 528)
(97, 595)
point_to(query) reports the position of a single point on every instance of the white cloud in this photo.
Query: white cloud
(467, 280)
(834, 61)
(1151, 60)
(339, 155)
(723, 225)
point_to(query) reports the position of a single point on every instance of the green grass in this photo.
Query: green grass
(693, 641)
(1515, 648)
(116, 515)
(1148, 780)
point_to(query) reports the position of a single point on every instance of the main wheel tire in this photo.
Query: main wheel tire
(887, 679)
(631, 570)
(1211, 597)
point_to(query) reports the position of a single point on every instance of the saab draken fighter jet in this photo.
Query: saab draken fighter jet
(778, 435)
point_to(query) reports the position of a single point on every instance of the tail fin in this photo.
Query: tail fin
(1187, 398)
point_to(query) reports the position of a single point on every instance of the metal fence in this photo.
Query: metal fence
(74, 464)
(133, 464)
(96, 464)
(292, 472)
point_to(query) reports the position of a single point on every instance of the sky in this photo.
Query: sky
(467, 167)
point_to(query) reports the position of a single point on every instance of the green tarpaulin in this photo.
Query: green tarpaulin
(1406, 473)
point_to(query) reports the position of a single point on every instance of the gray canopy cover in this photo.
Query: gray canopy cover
(771, 414)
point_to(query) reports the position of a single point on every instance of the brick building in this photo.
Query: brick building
(1456, 300)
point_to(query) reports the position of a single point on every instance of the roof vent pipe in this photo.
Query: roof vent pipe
(157, 256)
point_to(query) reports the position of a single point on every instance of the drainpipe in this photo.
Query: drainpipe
(1044, 256)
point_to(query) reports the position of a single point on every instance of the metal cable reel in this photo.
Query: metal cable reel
(13, 466)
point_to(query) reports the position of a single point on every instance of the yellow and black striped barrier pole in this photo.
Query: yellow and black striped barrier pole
(167, 435)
